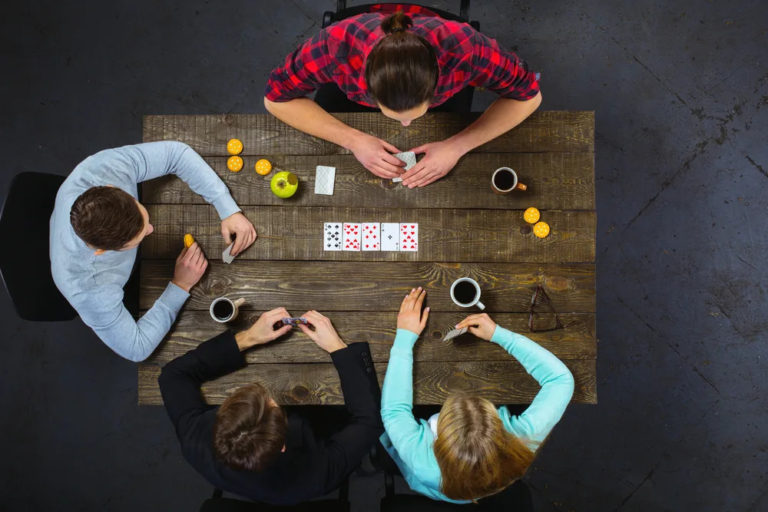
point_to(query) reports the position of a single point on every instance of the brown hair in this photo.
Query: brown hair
(476, 454)
(106, 218)
(401, 70)
(249, 432)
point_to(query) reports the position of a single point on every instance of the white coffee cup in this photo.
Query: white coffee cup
(475, 300)
(232, 308)
(515, 182)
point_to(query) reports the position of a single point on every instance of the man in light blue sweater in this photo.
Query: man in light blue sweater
(97, 225)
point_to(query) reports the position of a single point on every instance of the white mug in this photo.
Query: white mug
(475, 301)
(234, 309)
(515, 182)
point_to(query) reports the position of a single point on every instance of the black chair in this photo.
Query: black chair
(25, 266)
(343, 12)
(515, 498)
(217, 503)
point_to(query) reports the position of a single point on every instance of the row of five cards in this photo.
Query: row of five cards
(371, 236)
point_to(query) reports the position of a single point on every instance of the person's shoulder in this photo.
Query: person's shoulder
(447, 35)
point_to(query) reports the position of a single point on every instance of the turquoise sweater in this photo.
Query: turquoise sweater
(409, 441)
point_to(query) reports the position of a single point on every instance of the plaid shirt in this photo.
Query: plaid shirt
(337, 55)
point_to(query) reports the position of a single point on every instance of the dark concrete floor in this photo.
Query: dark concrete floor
(681, 95)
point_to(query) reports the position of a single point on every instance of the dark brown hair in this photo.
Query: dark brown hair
(249, 432)
(476, 454)
(401, 70)
(106, 218)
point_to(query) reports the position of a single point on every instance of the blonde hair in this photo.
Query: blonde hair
(476, 454)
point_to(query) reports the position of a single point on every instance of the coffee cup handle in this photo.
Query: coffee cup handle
(480, 305)
(239, 302)
(521, 186)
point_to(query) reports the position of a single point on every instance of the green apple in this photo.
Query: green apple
(284, 184)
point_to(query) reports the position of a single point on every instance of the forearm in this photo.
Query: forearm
(309, 117)
(503, 115)
(359, 384)
(397, 392)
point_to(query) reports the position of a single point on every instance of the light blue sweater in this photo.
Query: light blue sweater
(94, 284)
(409, 441)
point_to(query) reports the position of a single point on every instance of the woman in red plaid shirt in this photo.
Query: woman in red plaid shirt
(402, 66)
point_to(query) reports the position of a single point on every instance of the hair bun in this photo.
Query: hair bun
(397, 22)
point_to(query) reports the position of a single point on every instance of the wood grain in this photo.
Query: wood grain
(363, 286)
(263, 134)
(296, 233)
(575, 341)
(562, 181)
(502, 382)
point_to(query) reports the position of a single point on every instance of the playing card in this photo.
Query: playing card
(371, 238)
(409, 236)
(324, 179)
(409, 157)
(454, 333)
(332, 236)
(390, 236)
(226, 255)
(295, 320)
(351, 240)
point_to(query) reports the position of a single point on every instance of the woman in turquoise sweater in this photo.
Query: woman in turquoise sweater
(470, 449)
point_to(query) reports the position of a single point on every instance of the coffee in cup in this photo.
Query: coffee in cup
(465, 292)
(504, 180)
(225, 310)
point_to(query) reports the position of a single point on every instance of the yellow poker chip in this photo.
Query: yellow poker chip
(235, 163)
(234, 146)
(532, 215)
(188, 240)
(263, 167)
(541, 229)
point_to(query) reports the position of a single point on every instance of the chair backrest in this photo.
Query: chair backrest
(25, 266)
(343, 12)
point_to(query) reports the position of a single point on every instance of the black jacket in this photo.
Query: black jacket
(311, 466)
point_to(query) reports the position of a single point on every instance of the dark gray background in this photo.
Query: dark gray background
(680, 91)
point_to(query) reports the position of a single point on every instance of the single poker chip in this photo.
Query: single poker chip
(532, 215)
(234, 146)
(263, 167)
(235, 163)
(541, 229)
(188, 240)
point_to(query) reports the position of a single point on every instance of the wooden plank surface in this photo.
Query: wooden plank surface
(296, 233)
(502, 382)
(364, 286)
(263, 134)
(575, 341)
(562, 181)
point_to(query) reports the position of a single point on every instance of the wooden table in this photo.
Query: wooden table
(464, 230)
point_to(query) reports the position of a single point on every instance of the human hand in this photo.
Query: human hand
(376, 155)
(411, 317)
(190, 266)
(439, 158)
(245, 234)
(324, 335)
(263, 330)
(481, 325)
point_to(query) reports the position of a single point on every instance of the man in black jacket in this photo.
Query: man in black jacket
(249, 446)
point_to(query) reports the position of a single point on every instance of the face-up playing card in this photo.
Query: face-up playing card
(351, 240)
(409, 236)
(332, 236)
(390, 236)
(371, 239)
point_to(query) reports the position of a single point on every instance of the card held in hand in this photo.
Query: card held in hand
(409, 236)
(409, 157)
(371, 240)
(390, 236)
(332, 236)
(454, 333)
(351, 240)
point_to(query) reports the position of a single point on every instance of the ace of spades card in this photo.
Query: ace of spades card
(390, 236)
